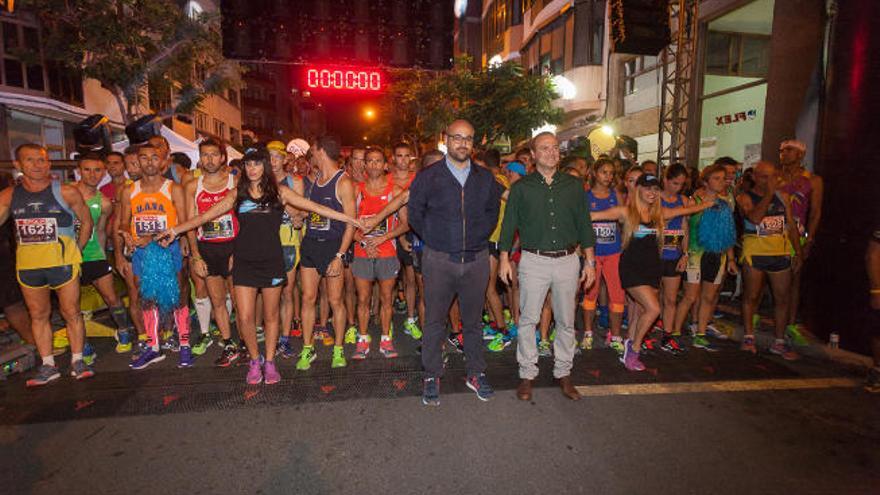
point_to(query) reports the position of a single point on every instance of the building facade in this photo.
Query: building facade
(41, 103)
(752, 84)
(566, 39)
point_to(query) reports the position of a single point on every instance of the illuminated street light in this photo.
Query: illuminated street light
(566, 89)
(369, 114)
(460, 8)
(495, 61)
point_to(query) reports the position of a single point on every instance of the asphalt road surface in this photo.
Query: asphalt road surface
(702, 423)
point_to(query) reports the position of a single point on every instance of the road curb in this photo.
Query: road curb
(814, 350)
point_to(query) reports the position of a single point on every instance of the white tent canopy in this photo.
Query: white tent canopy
(178, 143)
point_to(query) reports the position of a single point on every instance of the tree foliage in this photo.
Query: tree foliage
(503, 100)
(127, 45)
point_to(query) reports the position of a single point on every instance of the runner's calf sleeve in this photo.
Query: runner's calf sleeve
(120, 317)
(151, 327)
(203, 312)
(181, 318)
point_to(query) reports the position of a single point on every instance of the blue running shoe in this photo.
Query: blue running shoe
(171, 344)
(431, 392)
(45, 374)
(480, 385)
(146, 358)
(80, 370)
(186, 357)
(89, 354)
(285, 349)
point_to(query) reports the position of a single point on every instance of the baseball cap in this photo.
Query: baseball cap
(277, 146)
(516, 167)
(648, 180)
(298, 146)
(255, 154)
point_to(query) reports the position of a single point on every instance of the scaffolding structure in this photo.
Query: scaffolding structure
(677, 62)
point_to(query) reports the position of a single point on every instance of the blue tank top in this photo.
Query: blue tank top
(45, 228)
(673, 233)
(773, 222)
(318, 227)
(607, 232)
(42, 216)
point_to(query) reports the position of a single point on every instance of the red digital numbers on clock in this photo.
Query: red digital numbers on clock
(344, 79)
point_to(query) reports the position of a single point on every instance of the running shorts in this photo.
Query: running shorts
(706, 267)
(771, 264)
(216, 256)
(375, 268)
(53, 277)
(319, 254)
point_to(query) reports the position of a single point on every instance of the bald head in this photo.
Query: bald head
(764, 175)
(459, 140)
(460, 126)
(764, 166)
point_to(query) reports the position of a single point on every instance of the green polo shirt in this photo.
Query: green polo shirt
(549, 217)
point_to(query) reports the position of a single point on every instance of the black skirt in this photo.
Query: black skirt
(640, 263)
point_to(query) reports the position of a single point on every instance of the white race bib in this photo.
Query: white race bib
(36, 230)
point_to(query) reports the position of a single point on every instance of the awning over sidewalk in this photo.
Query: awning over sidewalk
(47, 107)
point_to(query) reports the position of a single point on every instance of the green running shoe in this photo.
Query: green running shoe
(338, 357)
(544, 349)
(795, 335)
(306, 357)
(498, 343)
(617, 345)
(701, 342)
(587, 342)
(411, 328)
(351, 335)
(202, 345)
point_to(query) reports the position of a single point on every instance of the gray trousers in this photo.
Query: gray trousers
(537, 275)
(444, 279)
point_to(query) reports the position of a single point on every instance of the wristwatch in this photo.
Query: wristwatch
(340, 255)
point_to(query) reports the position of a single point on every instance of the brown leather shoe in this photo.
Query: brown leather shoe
(524, 390)
(568, 389)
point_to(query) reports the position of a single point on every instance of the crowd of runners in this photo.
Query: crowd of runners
(295, 247)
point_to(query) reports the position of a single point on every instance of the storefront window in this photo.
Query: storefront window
(29, 128)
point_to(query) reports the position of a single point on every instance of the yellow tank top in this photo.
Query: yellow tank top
(44, 229)
(496, 234)
(289, 235)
